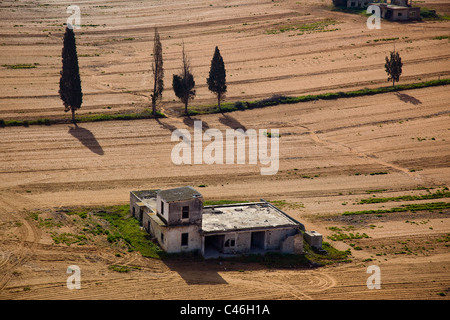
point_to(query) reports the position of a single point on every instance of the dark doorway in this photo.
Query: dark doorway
(214, 244)
(141, 215)
(258, 239)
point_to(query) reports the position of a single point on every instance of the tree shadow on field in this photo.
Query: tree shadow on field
(197, 272)
(407, 98)
(191, 121)
(87, 138)
(231, 122)
(166, 125)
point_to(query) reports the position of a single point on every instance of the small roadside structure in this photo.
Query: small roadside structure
(177, 219)
(314, 239)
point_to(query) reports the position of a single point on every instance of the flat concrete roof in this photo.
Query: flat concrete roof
(179, 194)
(145, 194)
(244, 216)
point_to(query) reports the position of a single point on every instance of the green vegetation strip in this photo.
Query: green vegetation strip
(437, 195)
(404, 208)
(230, 107)
(277, 100)
(82, 119)
(21, 66)
(318, 26)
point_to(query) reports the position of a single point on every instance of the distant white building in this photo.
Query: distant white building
(180, 223)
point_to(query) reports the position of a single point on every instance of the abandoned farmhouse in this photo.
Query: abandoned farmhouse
(396, 10)
(180, 223)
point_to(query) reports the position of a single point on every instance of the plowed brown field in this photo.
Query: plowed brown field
(329, 150)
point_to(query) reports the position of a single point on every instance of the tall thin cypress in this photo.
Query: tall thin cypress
(217, 77)
(70, 82)
(158, 71)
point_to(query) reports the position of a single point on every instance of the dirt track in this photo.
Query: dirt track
(337, 144)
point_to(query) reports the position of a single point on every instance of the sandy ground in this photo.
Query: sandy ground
(337, 144)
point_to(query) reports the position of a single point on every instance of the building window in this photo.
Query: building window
(399, 14)
(412, 13)
(162, 208)
(162, 237)
(134, 211)
(184, 239)
(185, 213)
(229, 243)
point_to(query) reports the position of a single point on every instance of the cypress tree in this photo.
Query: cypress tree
(158, 71)
(183, 84)
(70, 82)
(217, 77)
(393, 67)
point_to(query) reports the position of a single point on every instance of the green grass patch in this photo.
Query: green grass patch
(318, 26)
(340, 236)
(49, 223)
(119, 268)
(82, 214)
(283, 204)
(404, 208)
(127, 228)
(378, 173)
(437, 195)
(21, 66)
(384, 39)
(441, 38)
(333, 255)
(146, 114)
(375, 190)
(69, 238)
(430, 14)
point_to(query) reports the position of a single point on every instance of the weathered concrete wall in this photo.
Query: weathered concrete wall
(173, 237)
(159, 205)
(195, 212)
(292, 244)
(298, 243)
(230, 238)
(243, 242)
(133, 206)
(314, 239)
(274, 238)
(172, 212)
(399, 15)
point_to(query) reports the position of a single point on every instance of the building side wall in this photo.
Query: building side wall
(159, 204)
(273, 240)
(133, 205)
(174, 235)
(414, 14)
(195, 212)
(275, 237)
(243, 242)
